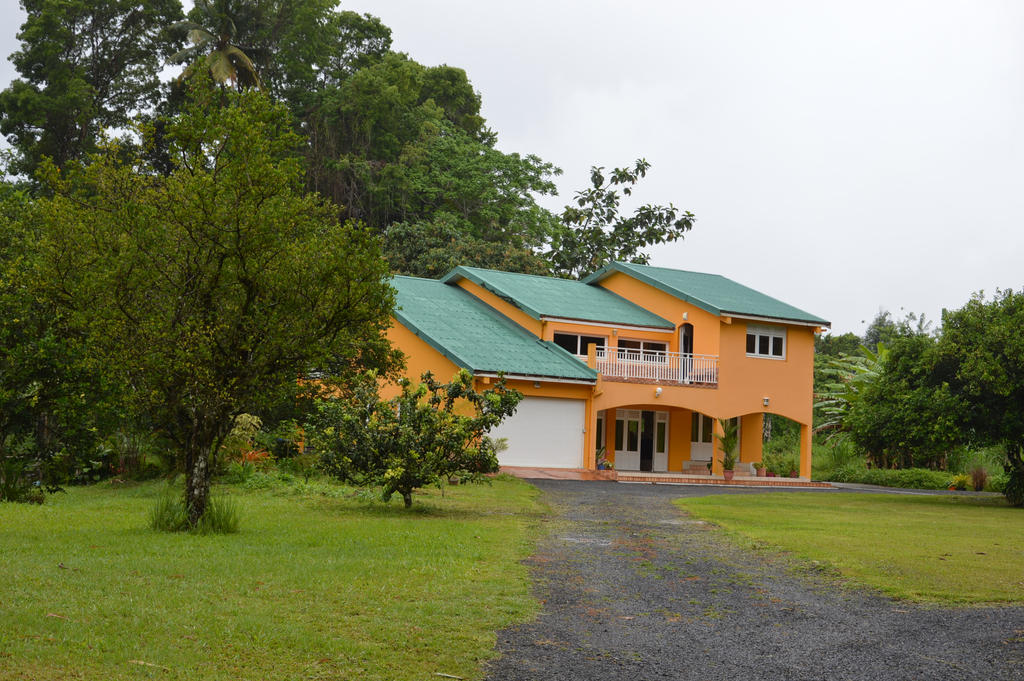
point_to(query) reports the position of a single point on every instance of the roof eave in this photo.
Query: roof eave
(777, 320)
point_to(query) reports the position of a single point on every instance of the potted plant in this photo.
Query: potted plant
(760, 469)
(728, 440)
(603, 464)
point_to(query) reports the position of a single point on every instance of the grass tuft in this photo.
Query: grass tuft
(168, 514)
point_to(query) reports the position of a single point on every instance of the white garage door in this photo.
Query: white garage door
(544, 432)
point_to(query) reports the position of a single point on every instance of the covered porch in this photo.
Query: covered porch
(660, 439)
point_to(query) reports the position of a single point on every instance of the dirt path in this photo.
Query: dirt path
(635, 589)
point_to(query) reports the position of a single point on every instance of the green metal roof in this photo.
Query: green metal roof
(712, 292)
(477, 337)
(565, 298)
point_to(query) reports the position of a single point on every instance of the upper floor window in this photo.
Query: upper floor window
(766, 341)
(577, 344)
(651, 351)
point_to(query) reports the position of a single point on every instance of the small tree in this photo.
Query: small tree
(416, 439)
(210, 290)
(727, 440)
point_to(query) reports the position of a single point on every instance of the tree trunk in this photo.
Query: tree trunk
(197, 484)
(407, 498)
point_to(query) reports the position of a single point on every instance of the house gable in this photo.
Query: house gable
(713, 293)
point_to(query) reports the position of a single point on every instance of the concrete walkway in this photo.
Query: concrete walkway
(634, 589)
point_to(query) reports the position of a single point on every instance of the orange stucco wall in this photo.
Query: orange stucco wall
(705, 324)
(751, 437)
(420, 357)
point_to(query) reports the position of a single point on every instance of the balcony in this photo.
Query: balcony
(649, 366)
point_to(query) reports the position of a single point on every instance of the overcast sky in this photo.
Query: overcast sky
(839, 156)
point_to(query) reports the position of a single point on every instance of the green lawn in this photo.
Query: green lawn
(942, 549)
(312, 587)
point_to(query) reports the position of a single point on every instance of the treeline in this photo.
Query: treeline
(909, 396)
(396, 145)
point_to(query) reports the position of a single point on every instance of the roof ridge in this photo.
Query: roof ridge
(550, 277)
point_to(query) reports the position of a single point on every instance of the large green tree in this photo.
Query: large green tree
(907, 415)
(983, 348)
(85, 66)
(593, 231)
(211, 289)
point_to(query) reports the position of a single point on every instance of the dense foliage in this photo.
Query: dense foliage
(197, 288)
(428, 434)
(920, 398)
(983, 349)
(85, 67)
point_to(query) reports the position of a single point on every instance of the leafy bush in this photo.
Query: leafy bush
(302, 465)
(910, 478)
(239, 472)
(780, 463)
(282, 441)
(997, 483)
(15, 484)
(960, 481)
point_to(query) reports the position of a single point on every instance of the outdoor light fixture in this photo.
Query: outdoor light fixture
(657, 392)
(536, 384)
(686, 315)
(765, 401)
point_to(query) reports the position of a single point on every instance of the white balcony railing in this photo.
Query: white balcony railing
(651, 365)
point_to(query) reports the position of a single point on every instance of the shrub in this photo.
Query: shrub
(979, 476)
(960, 481)
(239, 472)
(781, 463)
(220, 517)
(168, 514)
(910, 478)
(997, 483)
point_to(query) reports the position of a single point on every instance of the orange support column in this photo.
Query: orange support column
(589, 438)
(678, 438)
(805, 451)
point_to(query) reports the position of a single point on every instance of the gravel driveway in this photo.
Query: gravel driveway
(633, 588)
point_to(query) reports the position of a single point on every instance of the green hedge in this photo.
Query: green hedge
(911, 478)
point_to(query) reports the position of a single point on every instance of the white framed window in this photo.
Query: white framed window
(628, 424)
(600, 431)
(766, 341)
(577, 344)
(648, 351)
(661, 432)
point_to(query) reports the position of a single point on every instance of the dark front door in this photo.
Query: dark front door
(647, 441)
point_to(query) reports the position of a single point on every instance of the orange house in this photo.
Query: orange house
(633, 363)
